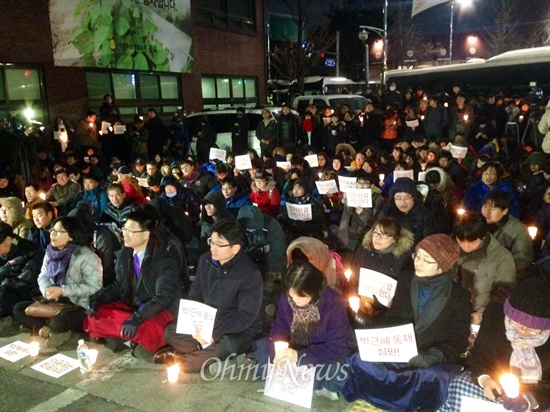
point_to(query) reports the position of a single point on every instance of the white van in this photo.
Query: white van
(354, 101)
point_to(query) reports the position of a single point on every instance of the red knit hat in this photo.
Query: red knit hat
(442, 248)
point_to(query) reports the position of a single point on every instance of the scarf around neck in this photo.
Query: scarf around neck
(524, 357)
(305, 321)
(58, 263)
(439, 290)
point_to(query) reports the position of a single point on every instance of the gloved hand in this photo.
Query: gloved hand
(94, 302)
(426, 359)
(130, 326)
(362, 319)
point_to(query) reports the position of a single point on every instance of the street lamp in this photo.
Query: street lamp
(364, 36)
(460, 3)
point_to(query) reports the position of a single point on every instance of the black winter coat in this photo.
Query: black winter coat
(19, 269)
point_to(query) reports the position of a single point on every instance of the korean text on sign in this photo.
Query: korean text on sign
(291, 383)
(396, 344)
(193, 316)
(299, 212)
(373, 283)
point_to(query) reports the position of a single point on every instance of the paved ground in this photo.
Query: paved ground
(122, 383)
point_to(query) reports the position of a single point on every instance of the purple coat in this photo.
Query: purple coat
(333, 339)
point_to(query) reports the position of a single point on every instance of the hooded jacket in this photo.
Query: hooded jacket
(16, 216)
(268, 200)
(419, 220)
(206, 222)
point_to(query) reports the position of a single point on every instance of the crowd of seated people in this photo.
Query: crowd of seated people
(429, 190)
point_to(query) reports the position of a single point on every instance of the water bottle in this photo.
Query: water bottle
(83, 358)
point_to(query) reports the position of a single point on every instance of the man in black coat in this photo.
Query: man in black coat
(230, 282)
(144, 297)
(239, 132)
(157, 133)
(20, 263)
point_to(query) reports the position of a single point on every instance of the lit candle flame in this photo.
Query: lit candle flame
(381, 176)
(532, 231)
(42, 195)
(461, 211)
(510, 384)
(422, 117)
(91, 125)
(354, 303)
(347, 274)
(466, 117)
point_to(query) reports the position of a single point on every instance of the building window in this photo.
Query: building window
(220, 92)
(135, 92)
(21, 87)
(238, 15)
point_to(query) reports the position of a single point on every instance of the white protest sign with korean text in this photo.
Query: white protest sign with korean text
(56, 366)
(403, 173)
(119, 129)
(291, 383)
(105, 127)
(372, 283)
(412, 123)
(312, 160)
(346, 183)
(396, 344)
(243, 162)
(468, 404)
(459, 152)
(216, 153)
(422, 176)
(299, 212)
(326, 186)
(14, 351)
(195, 315)
(284, 165)
(359, 197)
(142, 181)
(61, 136)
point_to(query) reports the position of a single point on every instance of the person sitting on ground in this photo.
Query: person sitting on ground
(439, 310)
(513, 338)
(132, 189)
(144, 296)
(119, 207)
(235, 197)
(312, 318)
(12, 213)
(62, 193)
(509, 231)
(42, 214)
(94, 195)
(32, 197)
(265, 194)
(20, 262)
(230, 282)
(213, 210)
(485, 267)
(70, 273)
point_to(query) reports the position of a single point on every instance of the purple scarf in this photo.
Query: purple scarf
(58, 263)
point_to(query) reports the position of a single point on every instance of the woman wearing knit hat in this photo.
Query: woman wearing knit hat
(440, 311)
(513, 338)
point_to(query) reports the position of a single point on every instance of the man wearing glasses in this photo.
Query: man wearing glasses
(144, 297)
(229, 281)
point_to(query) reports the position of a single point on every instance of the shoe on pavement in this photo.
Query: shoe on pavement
(333, 396)
(168, 356)
(57, 339)
(5, 323)
(24, 329)
(44, 332)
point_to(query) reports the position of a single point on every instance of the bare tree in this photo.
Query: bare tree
(294, 59)
(404, 37)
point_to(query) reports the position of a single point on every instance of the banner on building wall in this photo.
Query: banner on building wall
(422, 5)
(122, 34)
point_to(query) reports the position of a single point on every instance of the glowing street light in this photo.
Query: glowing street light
(462, 3)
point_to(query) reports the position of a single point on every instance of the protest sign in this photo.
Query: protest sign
(373, 283)
(395, 344)
(359, 197)
(216, 153)
(193, 316)
(346, 183)
(459, 152)
(14, 351)
(326, 186)
(312, 160)
(57, 365)
(291, 383)
(403, 173)
(243, 162)
(299, 212)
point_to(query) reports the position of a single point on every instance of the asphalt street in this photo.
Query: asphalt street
(122, 383)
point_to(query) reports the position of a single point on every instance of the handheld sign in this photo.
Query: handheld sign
(459, 152)
(412, 123)
(346, 183)
(105, 127)
(119, 129)
(326, 186)
(359, 197)
(312, 160)
(57, 365)
(243, 162)
(396, 344)
(15, 351)
(142, 181)
(299, 212)
(403, 173)
(291, 383)
(216, 153)
(193, 316)
(284, 165)
(422, 176)
(373, 283)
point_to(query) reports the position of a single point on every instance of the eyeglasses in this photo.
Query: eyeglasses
(417, 258)
(130, 231)
(56, 232)
(212, 244)
(524, 329)
(380, 235)
(403, 199)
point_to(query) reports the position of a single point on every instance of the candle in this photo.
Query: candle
(320, 175)
(354, 303)
(279, 346)
(460, 211)
(347, 274)
(91, 125)
(42, 195)
(173, 372)
(101, 132)
(510, 384)
(466, 117)
(92, 354)
(34, 348)
(422, 117)
(532, 231)
(381, 176)
(23, 205)
(423, 166)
